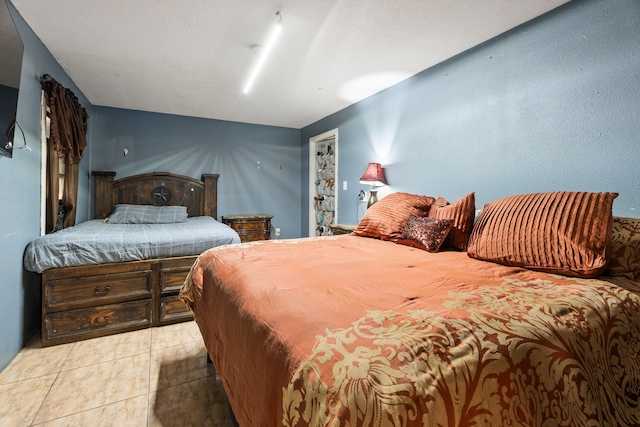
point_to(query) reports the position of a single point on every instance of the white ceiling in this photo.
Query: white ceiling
(193, 57)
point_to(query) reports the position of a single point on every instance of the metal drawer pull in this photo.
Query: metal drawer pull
(98, 291)
(96, 321)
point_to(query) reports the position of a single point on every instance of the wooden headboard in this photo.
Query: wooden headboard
(158, 189)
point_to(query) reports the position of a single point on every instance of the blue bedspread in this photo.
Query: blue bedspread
(97, 242)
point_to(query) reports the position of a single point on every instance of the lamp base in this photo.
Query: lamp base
(373, 197)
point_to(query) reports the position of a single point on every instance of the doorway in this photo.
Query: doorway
(323, 178)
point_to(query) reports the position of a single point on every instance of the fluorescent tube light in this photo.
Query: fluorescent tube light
(263, 56)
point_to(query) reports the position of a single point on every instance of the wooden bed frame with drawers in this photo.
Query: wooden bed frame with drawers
(96, 300)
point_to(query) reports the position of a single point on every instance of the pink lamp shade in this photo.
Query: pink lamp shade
(374, 175)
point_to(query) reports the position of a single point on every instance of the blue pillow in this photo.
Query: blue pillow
(147, 214)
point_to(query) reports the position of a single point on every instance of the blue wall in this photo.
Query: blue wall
(20, 301)
(551, 105)
(259, 166)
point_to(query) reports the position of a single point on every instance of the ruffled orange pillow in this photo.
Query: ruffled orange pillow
(386, 219)
(462, 213)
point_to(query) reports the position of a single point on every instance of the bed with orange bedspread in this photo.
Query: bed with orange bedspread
(357, 331)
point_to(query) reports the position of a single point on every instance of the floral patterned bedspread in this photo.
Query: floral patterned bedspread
(415, 339)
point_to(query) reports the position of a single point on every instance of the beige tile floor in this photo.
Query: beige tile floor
(152, 377)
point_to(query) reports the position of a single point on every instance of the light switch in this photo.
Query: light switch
(344, 185)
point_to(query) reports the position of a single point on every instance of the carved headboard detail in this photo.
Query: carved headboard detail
(158, 189)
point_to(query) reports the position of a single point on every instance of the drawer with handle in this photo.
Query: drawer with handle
(173, 273)
(96, 321)
(172, 309)
(97, 290)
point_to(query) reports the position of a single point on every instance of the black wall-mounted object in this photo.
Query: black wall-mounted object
(10, 70)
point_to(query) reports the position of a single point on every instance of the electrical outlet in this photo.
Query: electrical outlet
(362, 196)
(277, 232)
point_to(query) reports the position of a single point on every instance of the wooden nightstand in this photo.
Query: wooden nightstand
(250, 227)
(341, 228)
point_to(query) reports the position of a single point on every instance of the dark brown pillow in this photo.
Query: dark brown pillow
(560, 232)
(462, 213)
(425, 233)
(386, 219)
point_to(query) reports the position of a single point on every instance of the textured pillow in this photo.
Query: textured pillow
(386, 219)
(624, 257)
(147, 214)
(462, 213)
(425, 233)
(560, 232)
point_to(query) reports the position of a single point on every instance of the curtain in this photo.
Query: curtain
(67, 140)
(53, 172)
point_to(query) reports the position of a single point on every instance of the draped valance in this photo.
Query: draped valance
(66, 142)
(68, 120)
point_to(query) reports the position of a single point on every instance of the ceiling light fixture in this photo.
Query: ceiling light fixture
(264, 53)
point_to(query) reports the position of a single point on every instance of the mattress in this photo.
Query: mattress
(354, 331)
(98, 242)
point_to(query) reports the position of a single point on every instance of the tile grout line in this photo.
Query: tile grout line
(149, 377)
(87, 410)
(68, 357)
(165, 343)
(52, 384)
(151, 353)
